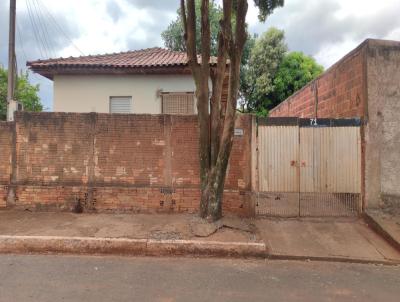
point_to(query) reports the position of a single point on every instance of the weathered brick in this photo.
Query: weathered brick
(5, 153)
(342, 81)
(139, 163)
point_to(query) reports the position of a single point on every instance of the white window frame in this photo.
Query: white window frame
(120, 97)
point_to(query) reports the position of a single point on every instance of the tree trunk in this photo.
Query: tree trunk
(218, 175)
(215, 129)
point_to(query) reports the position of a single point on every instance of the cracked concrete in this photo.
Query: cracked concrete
(333, 239)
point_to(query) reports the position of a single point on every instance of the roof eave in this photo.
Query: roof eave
(50, 72)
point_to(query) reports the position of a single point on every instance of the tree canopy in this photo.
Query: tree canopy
(26, 93)
(265, 58)
(294, 72)
(273, 73)
(173, 36)
(266, 7)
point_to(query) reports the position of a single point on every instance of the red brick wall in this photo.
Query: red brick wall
(6, 130)
(130, 150)
(184, 169)
(341, 91)
(239, 169)
(53, 148)
(3, 195)
(120, 163)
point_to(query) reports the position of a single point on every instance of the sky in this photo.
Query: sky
(324, 29)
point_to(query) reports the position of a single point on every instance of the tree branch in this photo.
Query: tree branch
(205, 38)
(184, 19)
(218, 78)
(235, 54)
(191, 37)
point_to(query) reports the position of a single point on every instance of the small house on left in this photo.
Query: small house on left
(153, 80)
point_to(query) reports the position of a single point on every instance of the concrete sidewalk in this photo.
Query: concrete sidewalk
(341, 239)
(385, 224)
(162, 234)
(124, 234)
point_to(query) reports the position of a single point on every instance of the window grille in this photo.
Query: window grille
(178, 103)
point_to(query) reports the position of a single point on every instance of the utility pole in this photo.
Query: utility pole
(11, 60)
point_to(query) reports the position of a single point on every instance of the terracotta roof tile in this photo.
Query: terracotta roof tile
(151, 57)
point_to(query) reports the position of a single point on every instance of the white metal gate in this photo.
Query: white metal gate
(309, 167)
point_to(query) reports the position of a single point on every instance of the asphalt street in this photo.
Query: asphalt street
(93, 278)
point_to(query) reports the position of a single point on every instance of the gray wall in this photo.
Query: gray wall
(382, 133)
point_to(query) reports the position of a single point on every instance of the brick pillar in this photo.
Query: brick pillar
(12, 188)
(90, 199)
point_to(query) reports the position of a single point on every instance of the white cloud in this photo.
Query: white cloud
(118, 25)
(329, 29)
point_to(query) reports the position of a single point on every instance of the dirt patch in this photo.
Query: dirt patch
(131, 226)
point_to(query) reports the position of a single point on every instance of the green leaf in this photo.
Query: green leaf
(26, 93)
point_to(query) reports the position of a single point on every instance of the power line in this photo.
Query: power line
(38, 13)
(35, 29)
(24, 53)
(47, 27)
(21, 43)
(58, 27)
(43, 30)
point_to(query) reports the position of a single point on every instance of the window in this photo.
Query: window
(120, 104)
(178, 103)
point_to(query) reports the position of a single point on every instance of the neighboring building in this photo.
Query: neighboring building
(152, 80)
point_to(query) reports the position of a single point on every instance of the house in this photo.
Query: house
(153, 80)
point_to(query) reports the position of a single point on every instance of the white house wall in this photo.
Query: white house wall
(91, 93)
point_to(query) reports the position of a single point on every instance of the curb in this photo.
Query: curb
(374, 225)
(333, 259)
(152, 247)
(131, 247)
